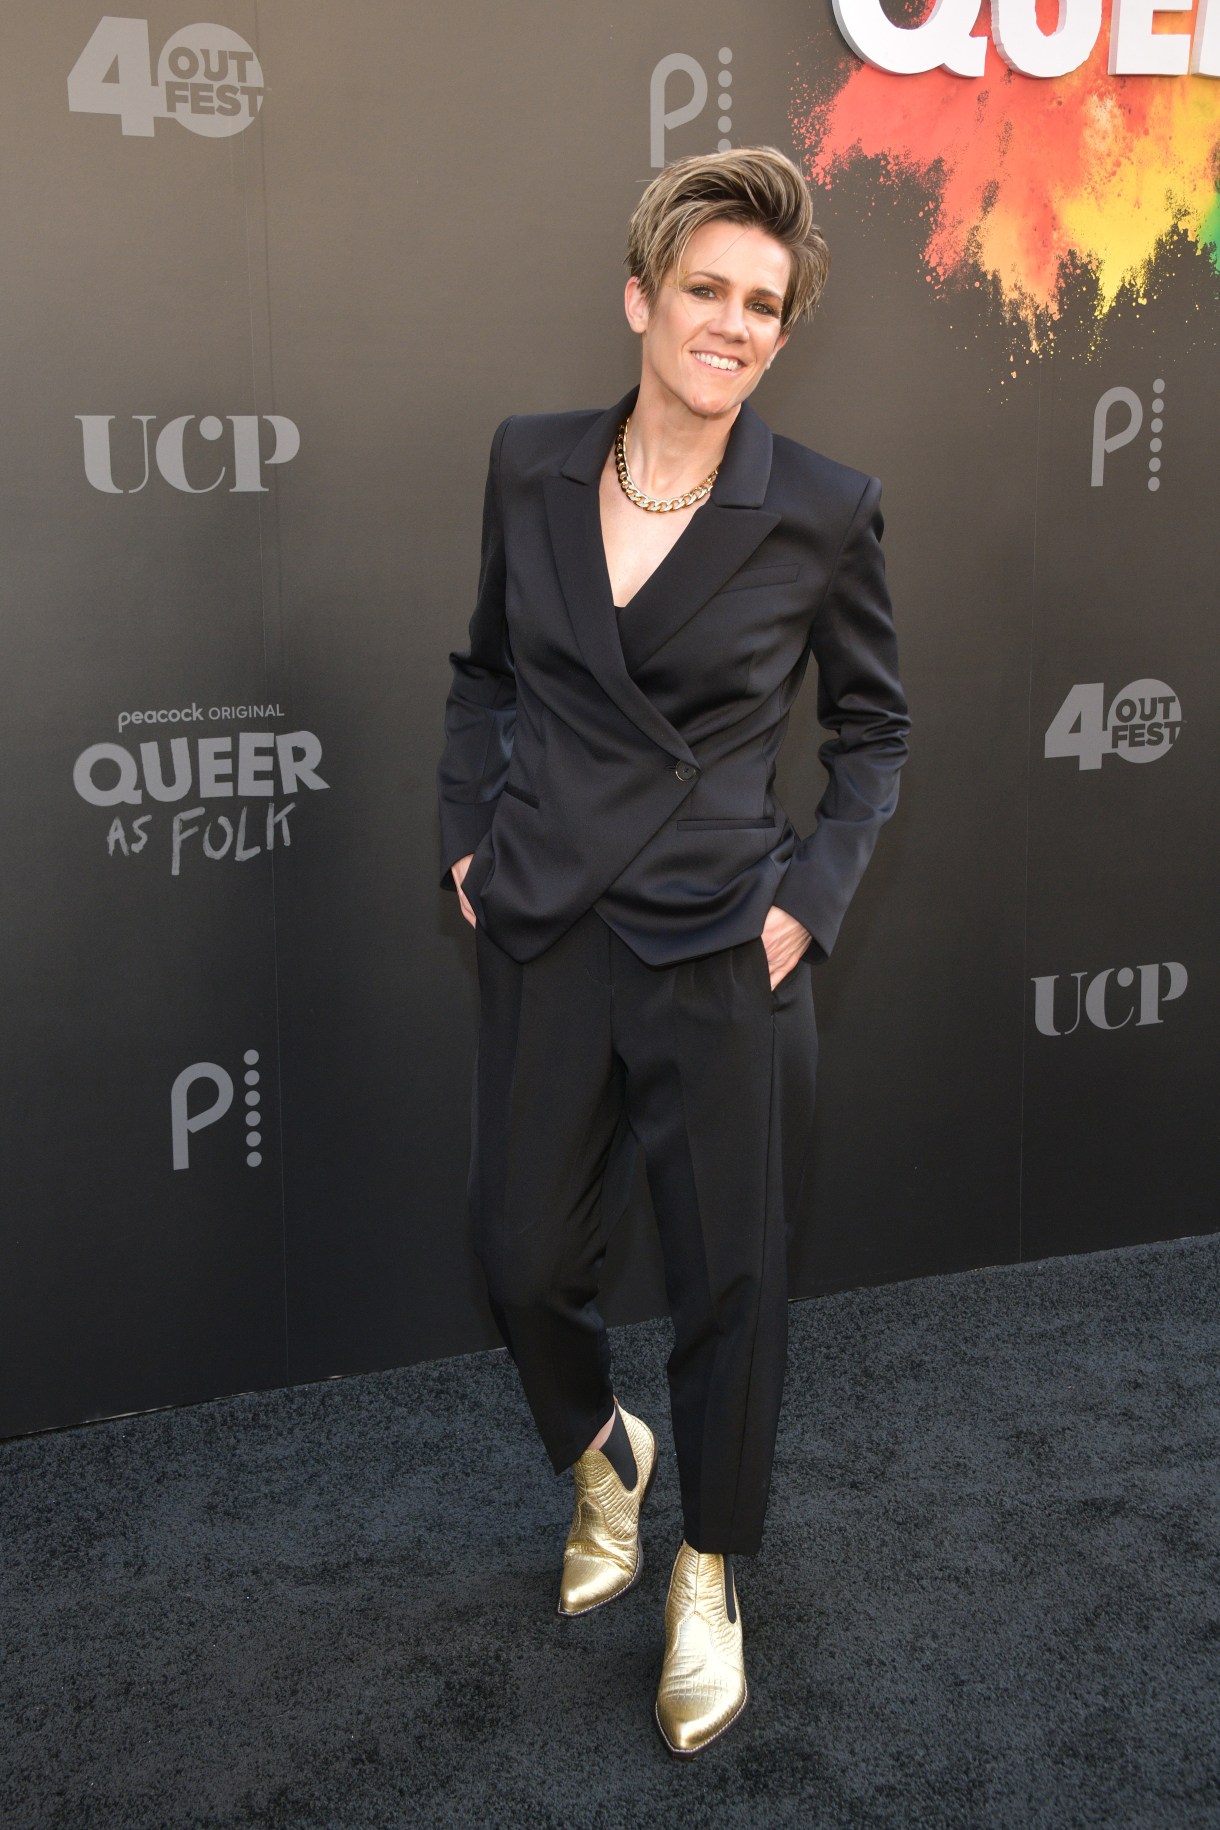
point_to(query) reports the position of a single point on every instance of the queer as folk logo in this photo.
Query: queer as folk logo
(226, 797)
(208, 79)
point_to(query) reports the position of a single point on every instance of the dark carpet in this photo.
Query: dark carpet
(988, 1596)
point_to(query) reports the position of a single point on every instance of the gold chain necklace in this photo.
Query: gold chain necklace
(654, 504)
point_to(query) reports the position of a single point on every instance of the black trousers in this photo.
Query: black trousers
(581, 1052)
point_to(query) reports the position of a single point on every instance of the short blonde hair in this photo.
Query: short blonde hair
(756, 185)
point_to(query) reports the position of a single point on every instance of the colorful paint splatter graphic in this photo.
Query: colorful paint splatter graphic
(1030, 178)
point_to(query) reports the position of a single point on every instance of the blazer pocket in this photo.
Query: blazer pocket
(761, 575)
(521, 794)
(718, 825)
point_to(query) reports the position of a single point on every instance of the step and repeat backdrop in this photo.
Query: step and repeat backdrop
(271, 280)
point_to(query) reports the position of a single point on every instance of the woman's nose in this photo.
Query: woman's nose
(731, 318)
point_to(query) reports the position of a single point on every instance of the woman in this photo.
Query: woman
(654, 579)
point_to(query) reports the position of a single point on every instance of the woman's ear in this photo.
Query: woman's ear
(635, 305)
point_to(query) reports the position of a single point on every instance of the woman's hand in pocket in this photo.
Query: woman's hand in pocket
(458, 871)
(785, 939)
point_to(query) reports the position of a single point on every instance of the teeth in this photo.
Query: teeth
(716, 362)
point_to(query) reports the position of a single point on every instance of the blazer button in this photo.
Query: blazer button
(685, 771)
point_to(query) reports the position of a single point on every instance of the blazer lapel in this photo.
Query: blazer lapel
(718, 538)
(711, 548)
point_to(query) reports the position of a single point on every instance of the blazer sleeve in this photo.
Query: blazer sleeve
(481, 709)
(860, 699)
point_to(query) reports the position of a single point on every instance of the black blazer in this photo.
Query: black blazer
(627, 759)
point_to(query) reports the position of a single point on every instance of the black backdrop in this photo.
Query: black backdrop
(310, 312)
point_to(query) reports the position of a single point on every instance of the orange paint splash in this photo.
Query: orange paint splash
(1030, 172)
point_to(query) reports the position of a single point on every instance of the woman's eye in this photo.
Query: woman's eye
(701, 287)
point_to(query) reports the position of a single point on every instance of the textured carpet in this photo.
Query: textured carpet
(989, 1593)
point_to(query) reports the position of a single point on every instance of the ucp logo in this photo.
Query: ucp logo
(1153, 992)
(169, 451)
(208, 79)
(662, 116)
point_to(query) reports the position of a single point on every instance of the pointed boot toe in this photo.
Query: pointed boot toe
(703, 1678)
(603, 1558)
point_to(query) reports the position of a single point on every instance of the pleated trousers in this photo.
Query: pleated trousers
(584, 1053)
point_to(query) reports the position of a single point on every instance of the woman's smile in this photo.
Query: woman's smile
(729, 363)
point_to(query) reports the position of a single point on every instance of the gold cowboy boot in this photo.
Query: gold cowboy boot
(603, 1558)
(703, 1677)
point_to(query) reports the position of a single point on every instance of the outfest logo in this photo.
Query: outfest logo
(208, 79)
(1143, 723)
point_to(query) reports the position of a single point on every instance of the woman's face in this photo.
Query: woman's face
(714, 325)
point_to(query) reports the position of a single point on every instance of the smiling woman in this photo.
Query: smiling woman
(712, 294)
(706, 337)
(645, 917)
(708, 333)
